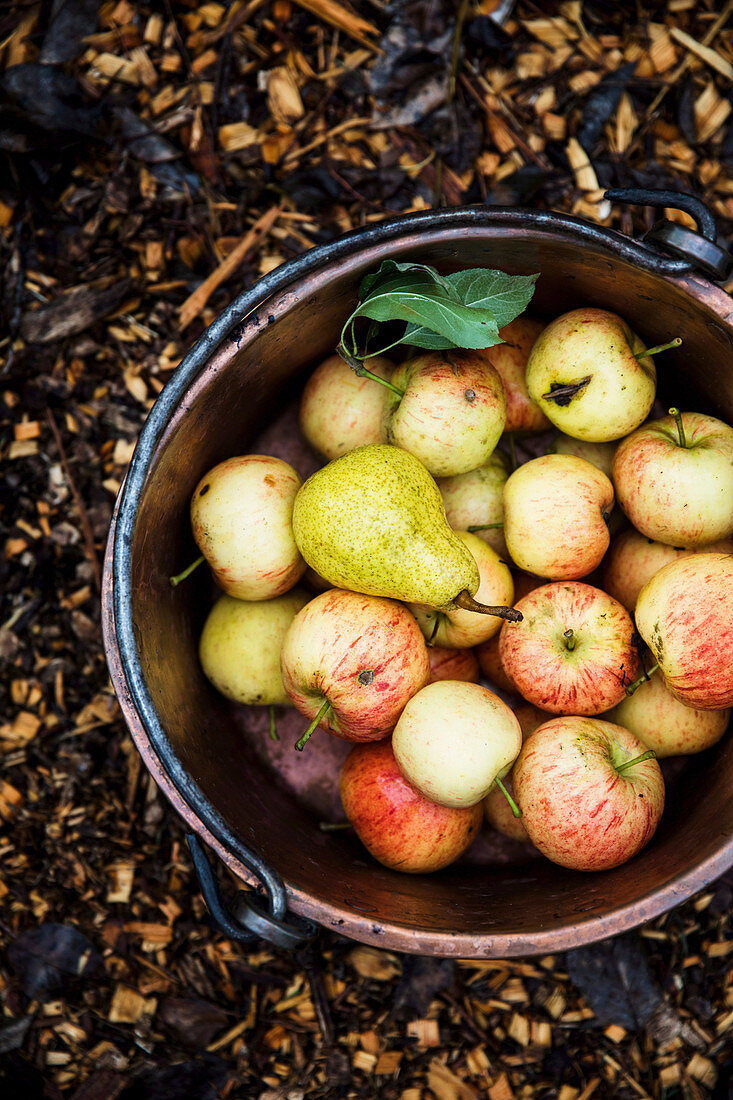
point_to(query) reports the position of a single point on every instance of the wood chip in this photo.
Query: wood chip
(128, 1006)
(370, 962)
(338, 16)
(446, 1085)
(711, 57)
(283, 96)
(711, 111)
(121, 878)
(427, 1033)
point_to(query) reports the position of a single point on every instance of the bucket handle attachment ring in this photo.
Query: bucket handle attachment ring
(250, 922)
(697, 246)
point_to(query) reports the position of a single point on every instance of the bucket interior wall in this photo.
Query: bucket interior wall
(223, 413)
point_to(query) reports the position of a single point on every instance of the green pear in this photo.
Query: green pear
(372, 521)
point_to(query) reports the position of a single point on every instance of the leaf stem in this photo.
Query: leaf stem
(648, 755)
(175, 581)
(466, 601)
(680, 426)
(642, 680)
(483, 527)
(359, 369)
(514, 808)
(660, 347)
(300, 744)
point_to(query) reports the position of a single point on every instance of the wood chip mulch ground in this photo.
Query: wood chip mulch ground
(156, 159)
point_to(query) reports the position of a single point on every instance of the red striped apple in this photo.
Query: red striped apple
(453, 664)
(665, 724)
(585, 802)
(340, 411)
(510, 359)
(573, 652)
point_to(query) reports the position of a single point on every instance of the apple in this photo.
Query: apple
(497, 809)
(599, 454)
(674, 479)
(473, 501)
(351, 662)
(241, 515)
(489, 660)
(587, 374)
(240, 646)
(589, 799)
(453, 740)
(453, 664)
(340, 411)
(664, 724)
(555, 512)
(451, 413)
(574, 651)
(685, 616)
(400, 827)
(510, 360)
(633, 559)
(459, 629)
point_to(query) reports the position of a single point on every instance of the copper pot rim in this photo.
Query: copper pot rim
(277, 289)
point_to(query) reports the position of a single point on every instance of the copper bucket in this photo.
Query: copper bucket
(242, 794)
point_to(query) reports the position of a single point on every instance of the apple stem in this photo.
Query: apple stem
(570, 640)
(660, 347)
(175, 581)
(514, 808)
(359, 369)
(642, 680)
(434, 631)
(513, 450)
(465, 600)
(680, 426)
(563, 395)
(274, 736)
(648, 755)
(333, 826)
(484, 527)
(300, 745)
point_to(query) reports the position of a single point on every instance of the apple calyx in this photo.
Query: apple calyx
(301, 743)
(483, 527)
(680, 426)
(512, 804)
(175, 581)
(660, 347)
(642, 680)
(362, 372)
(466, 601)
(648, 755)
(570, 640)
(563, 394)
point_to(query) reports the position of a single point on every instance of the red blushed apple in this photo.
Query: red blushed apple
(489, 660)
(685, 616)
(585, 804)
(510, 360)
(400, 827)
(453, 664)
(665, 724)
(340, 411)
(353, 662)
(633, 559)
(573, 652)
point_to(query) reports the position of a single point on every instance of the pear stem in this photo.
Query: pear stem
(680, 426)
(484, 527)
(642, 680)
(300, 745)
(274, 736)
(648, 755)
(570, 640)
(362, 372)
(660, 347)
(175, 581)
(514, 808)
(465, 600)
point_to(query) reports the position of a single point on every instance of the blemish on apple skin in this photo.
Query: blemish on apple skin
(365, 677)
(204, 491)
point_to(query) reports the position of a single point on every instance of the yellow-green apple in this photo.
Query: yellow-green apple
(458, 629)
(453, 664)
(241, 515)
(451, 413)
(588, 802)
(674, 479)
(351, 662)
(664, 724)
(510, 359)
(497, 810)
(396, 824)
(633, 559)
(240, 646)
(685, 616)
(574, 651)
(473, 501)
(340, 411)
(555, 512)
(453, 740)
(587, 374)
(599, 454)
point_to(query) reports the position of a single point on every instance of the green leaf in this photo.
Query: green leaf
(506, 295)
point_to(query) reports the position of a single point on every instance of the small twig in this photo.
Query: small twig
(86, 526)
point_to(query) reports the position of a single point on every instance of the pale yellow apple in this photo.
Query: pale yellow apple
(340, 410)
